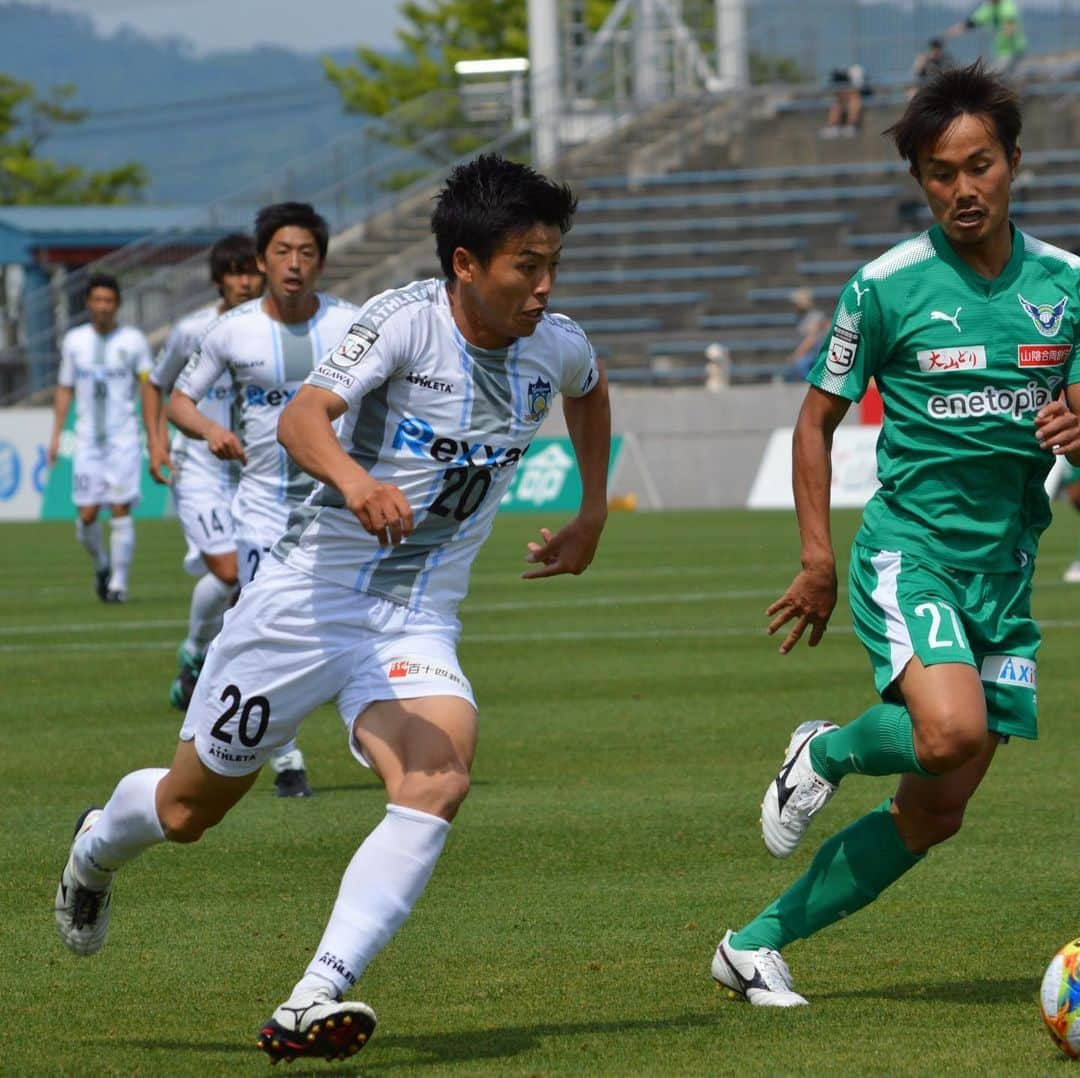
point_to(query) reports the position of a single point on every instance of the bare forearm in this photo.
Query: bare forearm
(153, 413)
(185, 414)
(61, 407)
(811, 481)
(588, 420)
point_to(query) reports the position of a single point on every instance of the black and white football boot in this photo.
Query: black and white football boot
(760, 977)
(797, 793)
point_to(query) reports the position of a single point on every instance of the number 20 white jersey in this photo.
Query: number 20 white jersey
(267, 361)
(444, 421)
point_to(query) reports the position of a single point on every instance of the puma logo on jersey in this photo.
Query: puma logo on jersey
(859, 293)
(941, 316)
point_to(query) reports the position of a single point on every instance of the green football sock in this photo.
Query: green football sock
(879, 742)
(849, 871)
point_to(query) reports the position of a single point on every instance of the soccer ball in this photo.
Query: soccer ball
(1059, 999)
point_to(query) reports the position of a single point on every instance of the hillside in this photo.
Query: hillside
(203, 126)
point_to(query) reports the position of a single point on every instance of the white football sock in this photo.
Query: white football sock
(287, 758)
(122, 549)
(378, 891)
(209, 601)
(128, 826)
(90, 536)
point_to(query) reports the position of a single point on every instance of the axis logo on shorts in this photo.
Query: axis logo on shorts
(1009, 670)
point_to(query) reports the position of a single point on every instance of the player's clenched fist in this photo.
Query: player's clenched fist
(225, 445)
(383, 511)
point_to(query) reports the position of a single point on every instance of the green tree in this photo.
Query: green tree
(26, 120)
(439, 34)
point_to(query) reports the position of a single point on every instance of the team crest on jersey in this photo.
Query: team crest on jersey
(1046, 316)
(353, 348)
(539, 396)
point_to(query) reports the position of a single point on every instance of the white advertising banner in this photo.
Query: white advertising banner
(854, 469)
(24, 438)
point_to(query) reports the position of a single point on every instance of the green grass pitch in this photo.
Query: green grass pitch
(630, 719)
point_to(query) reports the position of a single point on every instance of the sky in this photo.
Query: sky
(219, 25)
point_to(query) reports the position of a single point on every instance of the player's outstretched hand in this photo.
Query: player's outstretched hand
(225, 445)
(161, 466)
(570, 550)
(1057, 429)
(809, 600)
(383, 511)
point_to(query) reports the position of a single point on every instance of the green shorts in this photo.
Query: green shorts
(903, 607)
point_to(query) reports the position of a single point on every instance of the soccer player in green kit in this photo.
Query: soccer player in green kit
(969, 331)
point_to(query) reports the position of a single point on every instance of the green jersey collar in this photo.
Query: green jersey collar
(1005, 279)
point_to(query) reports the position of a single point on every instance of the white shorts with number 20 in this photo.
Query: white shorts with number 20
(295, 641)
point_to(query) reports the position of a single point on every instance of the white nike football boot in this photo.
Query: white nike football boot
(796, 794)
(82, 914)
(760, 977)
(316, 1025)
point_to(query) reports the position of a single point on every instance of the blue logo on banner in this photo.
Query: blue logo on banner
(10, 471)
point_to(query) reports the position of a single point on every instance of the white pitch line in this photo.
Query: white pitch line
(540, 637)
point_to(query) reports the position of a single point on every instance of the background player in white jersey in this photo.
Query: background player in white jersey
(202, 486)
(414, 424)
(266, 347)
(101, 365)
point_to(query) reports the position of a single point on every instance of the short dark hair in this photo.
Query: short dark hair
(970, 90)
(489, 198)
(283, 214)
(102, 280)
(234, 253)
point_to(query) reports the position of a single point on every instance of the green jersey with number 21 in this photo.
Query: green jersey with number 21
(963, 364)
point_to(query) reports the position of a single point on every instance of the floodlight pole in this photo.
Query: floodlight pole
(545, 85)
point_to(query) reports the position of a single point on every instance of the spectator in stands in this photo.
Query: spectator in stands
(1003, 18)
(930, 63)
(845, 113)
(811, 329)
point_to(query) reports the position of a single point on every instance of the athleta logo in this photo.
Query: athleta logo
(333, 962)
(418, 437)
(952, 359)
(424, 382)
(941, 316)
(1046, 316)
(992, 401)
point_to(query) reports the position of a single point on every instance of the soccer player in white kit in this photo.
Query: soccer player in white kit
(414, 425)
(266, 347)
(101, 366)
(202, 486)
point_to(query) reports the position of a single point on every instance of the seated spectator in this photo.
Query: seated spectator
(845, 113)
(930, 63)
(812, 326)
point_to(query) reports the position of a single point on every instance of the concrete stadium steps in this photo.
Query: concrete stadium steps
(697, 220)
